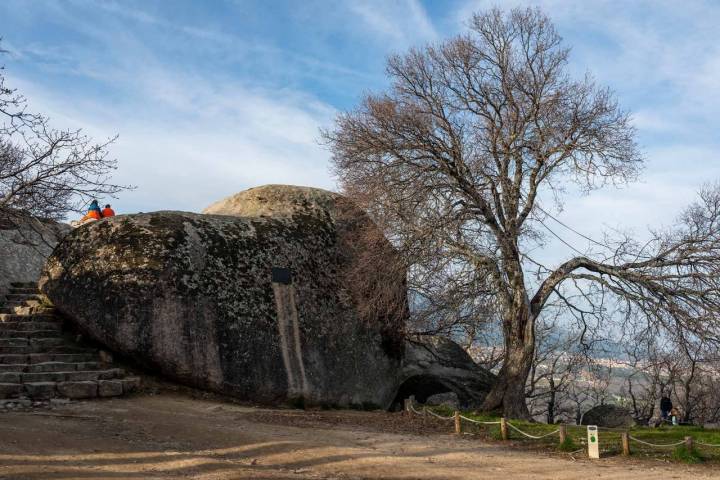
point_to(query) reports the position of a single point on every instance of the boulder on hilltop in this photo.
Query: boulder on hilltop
(193, 297)
(262, 297)
(608, 416)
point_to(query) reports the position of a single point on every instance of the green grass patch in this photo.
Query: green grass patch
(568, 445)
(686, 455)
(610, 439)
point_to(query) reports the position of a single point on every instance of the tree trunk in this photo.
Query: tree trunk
(551, 405)
(508, 393)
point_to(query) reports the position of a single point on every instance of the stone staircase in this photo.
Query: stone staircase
(39, 361)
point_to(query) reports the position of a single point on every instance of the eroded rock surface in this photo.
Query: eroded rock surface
(24, 247)
(435, 365)
(609, 416)
(192, 296)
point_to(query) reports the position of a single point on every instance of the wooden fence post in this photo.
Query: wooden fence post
(458, 425)
(625, 439)
(503, 428)
(563, 433)
(689, 443)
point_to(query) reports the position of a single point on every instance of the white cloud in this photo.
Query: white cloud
(195, 152)
(404, 22)
(187, 137)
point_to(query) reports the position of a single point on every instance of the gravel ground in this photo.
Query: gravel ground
(173, 435)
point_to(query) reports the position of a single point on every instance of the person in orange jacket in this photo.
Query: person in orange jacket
(108, 211)
(92, 215)
(93, 212)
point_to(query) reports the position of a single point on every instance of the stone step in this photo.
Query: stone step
(72, 376)
(32, 291)
(37, 317)
(23, 297)
(34, 358)
(31, 326)
(25, 310)
(14, 342)
(50, 367)
(28, 333)
(63, 367)
(34, 349)
(21, 303)
(20, 341)
(11, 377)
(11, 390)
(12, 367)
(70, 389)
(74, 389)
(24, 285)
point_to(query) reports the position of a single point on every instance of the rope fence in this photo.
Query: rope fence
(657, 445)
(438, 416)
(472, 420)
(534, 437)
(712, 445)
(592, 443)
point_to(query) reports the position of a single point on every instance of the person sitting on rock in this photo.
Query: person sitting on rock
(108, 211)
(94, 214)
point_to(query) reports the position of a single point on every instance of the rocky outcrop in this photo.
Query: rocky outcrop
(369, 272)
(277, 293)
(609, 416)
(25, 244)
(447, 399)
(192, 296)
(435, 365)
(285, 201)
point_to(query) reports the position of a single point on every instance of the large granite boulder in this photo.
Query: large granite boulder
(609, 416)
(276, 293)
(255, 305)
(434, 366)
(25, 244)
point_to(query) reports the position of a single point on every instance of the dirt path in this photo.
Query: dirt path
(174, 436)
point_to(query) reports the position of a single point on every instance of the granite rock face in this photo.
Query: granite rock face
(192, 296)
(434, 366)
(24, 248)
(264, 297)
(609, 416)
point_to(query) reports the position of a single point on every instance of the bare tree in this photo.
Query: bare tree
(645, 382)
(559, 363)
(685, 370)
(44, 172)
(454, 160)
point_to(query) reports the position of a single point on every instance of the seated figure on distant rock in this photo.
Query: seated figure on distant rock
(108, 211)
(94, 214)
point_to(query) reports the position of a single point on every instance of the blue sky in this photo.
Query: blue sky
(213, 97)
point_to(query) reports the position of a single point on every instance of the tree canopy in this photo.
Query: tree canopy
(455, 160)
